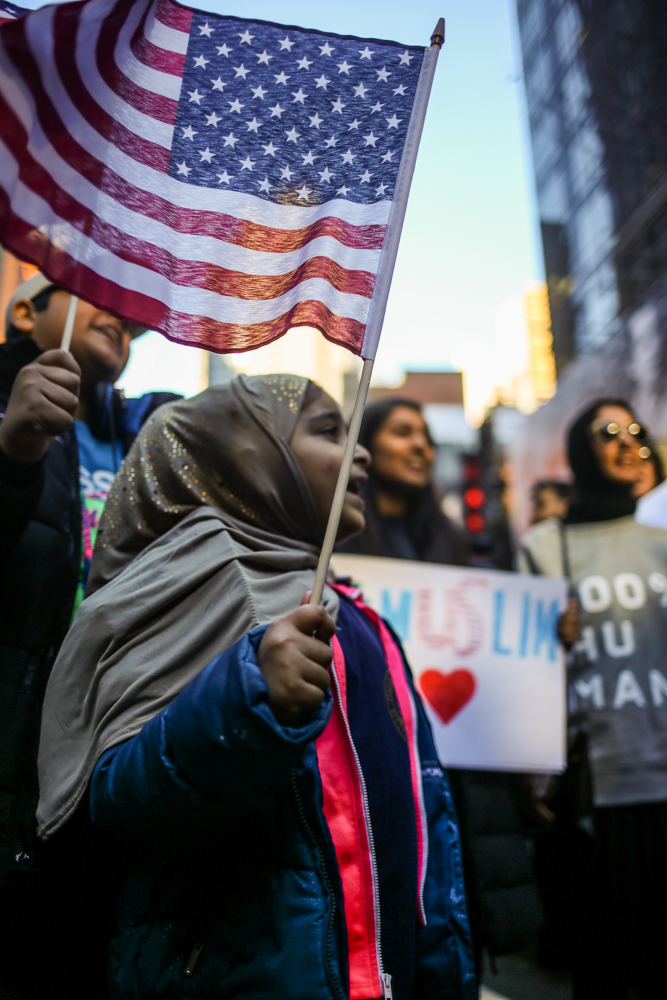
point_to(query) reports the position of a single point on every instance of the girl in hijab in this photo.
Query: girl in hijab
(403, 517)
(287, 829)
(616, 789)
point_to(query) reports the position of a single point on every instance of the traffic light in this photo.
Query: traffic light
(474, 497)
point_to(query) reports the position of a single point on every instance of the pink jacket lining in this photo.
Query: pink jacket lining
(344, 810)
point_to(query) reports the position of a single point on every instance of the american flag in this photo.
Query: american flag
(215, 178)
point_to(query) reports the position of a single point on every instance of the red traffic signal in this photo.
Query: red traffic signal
(475, 523)
(474, 498)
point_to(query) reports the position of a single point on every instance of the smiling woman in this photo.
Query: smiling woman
(619, 441)
(403, 518)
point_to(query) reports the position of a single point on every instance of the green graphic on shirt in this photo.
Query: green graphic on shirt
(91, 512)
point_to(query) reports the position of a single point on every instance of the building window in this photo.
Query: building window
(539, 78)
(597, 317)
(532, 21)
(576, 91)
(586, 153)
(568, 28)
(546, 143)
(553, 197)
(594, 229)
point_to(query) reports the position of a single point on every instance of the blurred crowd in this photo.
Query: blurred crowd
(93, 487)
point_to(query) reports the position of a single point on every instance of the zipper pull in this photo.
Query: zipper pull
(385, 979)
(193, 959)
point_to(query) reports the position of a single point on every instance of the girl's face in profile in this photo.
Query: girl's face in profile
(318, 443)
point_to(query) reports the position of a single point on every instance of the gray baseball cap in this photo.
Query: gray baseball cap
(34, 286)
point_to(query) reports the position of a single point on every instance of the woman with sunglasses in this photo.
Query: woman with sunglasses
(609, 864)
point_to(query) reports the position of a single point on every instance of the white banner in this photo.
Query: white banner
(482, 645)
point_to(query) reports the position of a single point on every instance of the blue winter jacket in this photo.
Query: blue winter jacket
(232, 886)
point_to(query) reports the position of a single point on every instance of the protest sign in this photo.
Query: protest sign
(482, 645)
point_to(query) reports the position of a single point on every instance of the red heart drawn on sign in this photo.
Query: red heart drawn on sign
(448, 693)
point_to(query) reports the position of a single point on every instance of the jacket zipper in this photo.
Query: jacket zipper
(422, 811)
(194, 958)
(332, 913)
(385, 979)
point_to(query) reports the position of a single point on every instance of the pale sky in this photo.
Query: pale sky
(470, 240)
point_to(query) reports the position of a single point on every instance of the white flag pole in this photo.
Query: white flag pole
(69, 323)
(380, 295)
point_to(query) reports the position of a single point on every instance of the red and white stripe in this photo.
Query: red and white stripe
(88, 99)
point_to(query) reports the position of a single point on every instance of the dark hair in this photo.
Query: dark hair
(599, 403)
(377, 414)
(595, 498)
(578, 431)
(41, 304)
(561, 489)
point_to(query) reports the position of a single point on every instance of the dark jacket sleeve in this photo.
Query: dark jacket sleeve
(21, 488)
(206, 760)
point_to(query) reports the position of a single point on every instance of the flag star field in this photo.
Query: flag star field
(292, 116)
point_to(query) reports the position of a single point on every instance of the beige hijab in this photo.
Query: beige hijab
(209, 530)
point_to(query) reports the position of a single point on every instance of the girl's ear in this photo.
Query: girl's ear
(23, 317)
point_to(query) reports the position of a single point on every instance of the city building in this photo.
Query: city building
(541, 363)
(524, 366)
(596, 85)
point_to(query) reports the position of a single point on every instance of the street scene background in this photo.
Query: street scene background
(532, 271)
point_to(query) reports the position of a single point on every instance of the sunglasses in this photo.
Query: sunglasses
(609, 432)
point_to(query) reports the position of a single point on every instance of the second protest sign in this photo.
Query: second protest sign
(483, 648)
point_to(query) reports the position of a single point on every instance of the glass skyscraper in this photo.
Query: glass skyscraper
(596, 82)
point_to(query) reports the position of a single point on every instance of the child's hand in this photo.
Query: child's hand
(42, 404)
(293, 656)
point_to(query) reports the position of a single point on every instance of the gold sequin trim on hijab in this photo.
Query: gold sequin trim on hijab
(286, 388)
